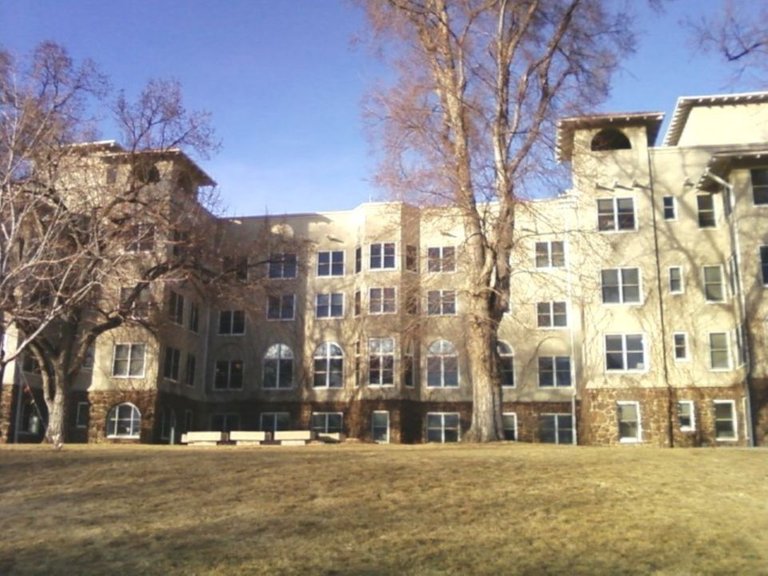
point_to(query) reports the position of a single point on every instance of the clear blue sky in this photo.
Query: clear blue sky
(285, 85)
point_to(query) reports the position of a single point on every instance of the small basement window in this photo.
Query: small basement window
(610, 139)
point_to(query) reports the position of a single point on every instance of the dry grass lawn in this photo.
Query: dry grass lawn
(364, 509)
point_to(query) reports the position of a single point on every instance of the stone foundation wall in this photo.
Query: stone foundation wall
(759, 402)
(102, 402)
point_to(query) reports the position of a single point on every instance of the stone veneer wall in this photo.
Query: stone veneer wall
(7, 394)
(760, 411)
(102, 402)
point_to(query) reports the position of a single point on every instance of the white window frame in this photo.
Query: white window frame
(729, 356)
(622, 286)
(283, 266)
(442, 428)
(763, 187)
(282, 307)
(692, 414)
(135, 423)
(506, 354)
(332, 263)
(326, 416)
(383, 257)
(233, 314)
(228, 387)
(615, 228)
(172, 364)
(329, 307)
(129, 359)
(81, 422)
(555, 379)
(383, 299)
(557, 428)
(638, 438)
(734, 419)
(686, 356)
(513, 416)
(446, 299)
(436, 259)
(681, 279)
(273, 416)
(625, 354)
(278, 353)
(673, 207)
(440, 350)
(707, 211)
(722, 283)
(545, 258)
(374, 427)
(382, 349)
(550, 315)
(325, 352)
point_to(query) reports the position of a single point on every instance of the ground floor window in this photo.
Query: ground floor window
(124, 421)
(629, 422)
(380, 427)
(225, 422)
(686, 416)
(556, 428)
(509, 420)
(327, 422)
(442, 427)
(81, 417)
(725, 420)
(189, 419)
(167, 424)
(274, 421)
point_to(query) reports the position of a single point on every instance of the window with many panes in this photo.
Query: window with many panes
(442, 365)
(556, 428)
(725, 420)
(630, 429)
(280, 307)
(705, 205)
(670, 208)
(624, 352)
(382, 256)
(381, 361)
(329, 305)
(228, 375)
(551, 314)
(441, 302)
(176, 308)
(550, 254)
(506, 364)
(382, 301)
(620, 285)
(328, 362)
(719, 351)
(554, 371)
(123, 421)
(676, 285)
(278, 367)
(686, 416)
(128, 360)
(442, 427)
(615, 214)
(282, 265)
(330, 263)
(441, 259)
(172, 364)
(759, 185)
(714, 287)
(232, 322)
(680, 341)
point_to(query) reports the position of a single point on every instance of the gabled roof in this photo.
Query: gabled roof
(686, 103)
(566, 127)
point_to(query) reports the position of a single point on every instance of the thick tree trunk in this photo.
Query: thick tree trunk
(56, 401)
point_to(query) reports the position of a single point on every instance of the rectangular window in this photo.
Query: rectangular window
(441, 302)
(382, 301)
(621, 285)
(409, 366)
(138, 303)
(176, 308)
(764, 265)
(705, 204)
(630, 429)
(194, 316)
(81, 418)
(624, 352)
(556, 428)
(760, 186)
(676, 285)
(509, 422)
(231, 322)
(554, 371)
(274, 421)
(282, 265)
(681, 346)
(686, 416)
(189, 373)
(327, 422)
(615, 214)
(140, 237)
(90, 357)
(330, 263)
(329, 305)
(714, 288)
(719, 351)
(128, 360)
(280, 307)
(382, 256)
(441, 259)
(550, 254)
(236, 268)
(442, 427)
(172, 364)
(358, 304)
(358, 260)
(670, 208)
(412, 258)
(380, 426)
(551, 314)
(725, 420)
(229, 375)
(381, 361)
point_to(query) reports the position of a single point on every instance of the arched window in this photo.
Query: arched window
(278, 367)
(329, 366)
(124, 421)
(610, 139)
(442, 365)
(506, 364)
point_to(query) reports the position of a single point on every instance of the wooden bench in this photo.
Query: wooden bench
(292, 437)
(203, 438)
(247, 437)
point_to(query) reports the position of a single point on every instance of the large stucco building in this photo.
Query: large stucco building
(638, 309)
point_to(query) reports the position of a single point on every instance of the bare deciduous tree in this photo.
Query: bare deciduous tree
(470, 121)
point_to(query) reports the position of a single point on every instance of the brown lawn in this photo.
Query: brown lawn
(365, 509)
